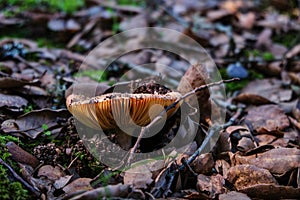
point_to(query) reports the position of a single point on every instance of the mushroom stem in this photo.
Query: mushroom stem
(123, 139)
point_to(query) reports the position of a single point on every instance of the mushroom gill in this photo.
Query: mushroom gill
(110, 111)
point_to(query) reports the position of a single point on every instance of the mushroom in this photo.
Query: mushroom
(123, 111)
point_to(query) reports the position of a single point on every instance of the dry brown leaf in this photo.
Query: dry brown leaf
(277, 161)
(252, 99)
(278, 50)
(9, 82)
(62, 181)
(243, 176)
(295, 77)
(212, 185)
(12, 102)
(214, 15)
(232, 6)
(80, 184)
(32, 90)
(222, 166)
(264, 39)
(31, 124)
(264, 139)
(223, 144)
(232, 129)
(270, 191)
(203, 164)
(109, 191)
(140, 176)
(245, 144)
(52, 173)
(246, 20)
(268, 89)
(294, 51)
(267, 118)
(233, 195)
(194, 77)
(137, 21)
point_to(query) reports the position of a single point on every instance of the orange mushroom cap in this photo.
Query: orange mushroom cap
(113, 110)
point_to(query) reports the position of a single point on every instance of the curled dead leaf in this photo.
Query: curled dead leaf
(12, 102)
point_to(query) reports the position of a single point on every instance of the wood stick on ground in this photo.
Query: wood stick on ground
(20, 179)
(145, 129)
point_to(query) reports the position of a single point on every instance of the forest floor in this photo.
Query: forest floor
(233, 140)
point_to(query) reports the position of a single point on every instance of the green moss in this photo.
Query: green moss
(45, 42)
(267, 56)
(97, 75)
(11, 190)
(66, 6)
(131, 2)
(8, 188)
(287, 39)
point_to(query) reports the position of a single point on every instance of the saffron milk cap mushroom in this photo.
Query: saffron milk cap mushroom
(113, 110)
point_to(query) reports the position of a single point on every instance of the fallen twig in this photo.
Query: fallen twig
(20, 179)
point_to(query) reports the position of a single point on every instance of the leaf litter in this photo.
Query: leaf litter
(256, 157)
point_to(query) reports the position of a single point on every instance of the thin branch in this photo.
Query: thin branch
(20, 179)
(202, 87)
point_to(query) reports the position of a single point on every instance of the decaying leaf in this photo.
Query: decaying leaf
(277, 161)
(270, 191)
(222, 166)
(140, 176)
(194, 77)
(233, 195)
(62, 181)
(31, 124)
(267, 118)
(203, 164)
(245, 144)
(110, 191)
(12, 102)
(264, 91)
(9, 82)
(52, 173)
(243, 176)
(80, 184)
(211, 185)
